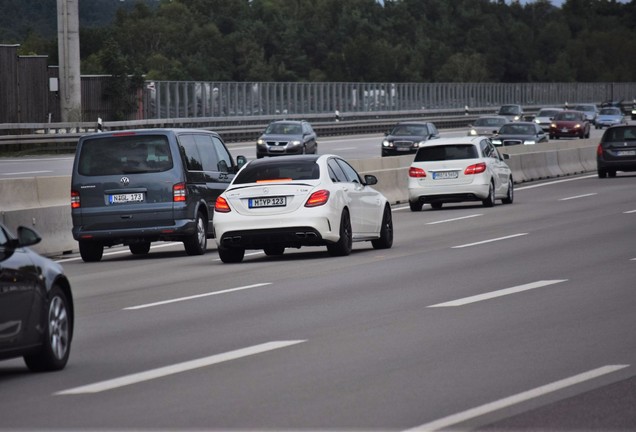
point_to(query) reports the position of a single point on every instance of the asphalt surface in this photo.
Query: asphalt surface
(517, 317)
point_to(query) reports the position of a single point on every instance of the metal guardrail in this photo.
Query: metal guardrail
(25, 136)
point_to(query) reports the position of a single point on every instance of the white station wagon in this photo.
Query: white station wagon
(457, 170)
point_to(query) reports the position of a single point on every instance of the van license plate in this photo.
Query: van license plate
(268, 202)
(124, 198)
(626, 153)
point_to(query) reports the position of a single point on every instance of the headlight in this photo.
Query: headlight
(294, 143)
(496, 142)
(260, 141)
(529, 142)
(421, 144)
(537, 121)
(577, 126)
(472, 132)
(553, 125)
(387, 143)
(517, 118)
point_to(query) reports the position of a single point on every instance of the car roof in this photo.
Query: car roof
(457, 140)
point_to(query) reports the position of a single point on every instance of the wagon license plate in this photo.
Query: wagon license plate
(268, 202)
(443, 175)
(626, 153)
(125, 198)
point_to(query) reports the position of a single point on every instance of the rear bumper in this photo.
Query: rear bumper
(177, 231)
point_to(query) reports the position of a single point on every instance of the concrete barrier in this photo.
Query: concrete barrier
(43, 203)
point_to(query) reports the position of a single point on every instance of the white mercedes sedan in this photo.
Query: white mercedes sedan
(459, 169)
(295, 201)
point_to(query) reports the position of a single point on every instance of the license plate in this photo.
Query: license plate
(445, 175)
(277, 148)
(626, 153)
(268, 202)
(124, 198)
(564, 130)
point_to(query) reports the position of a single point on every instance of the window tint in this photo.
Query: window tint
(446, 152)
(190, 153)
(224, 158)
(3, 237)
(620, 134)
(278, 170)
(127, 154)
(351, 174)
(205, 147)
(335, 172)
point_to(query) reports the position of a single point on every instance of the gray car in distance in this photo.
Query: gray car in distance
(285, 137)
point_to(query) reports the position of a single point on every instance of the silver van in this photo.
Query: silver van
(135, 187)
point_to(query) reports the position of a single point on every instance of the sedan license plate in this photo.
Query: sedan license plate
(125, 198)
(626, 153)
(443, 175)
(267, 202)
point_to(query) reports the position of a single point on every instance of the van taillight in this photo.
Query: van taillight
(179, 192)
(599, 150)
(75, 199)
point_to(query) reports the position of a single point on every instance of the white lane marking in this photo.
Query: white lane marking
(554, 182)
(489, 241)
(455, 219)
(177, 368)
(196, 296)
(578, 196)
(630, 211)
(25, 172)
(498, 293)
(120, 252)
(517, 399)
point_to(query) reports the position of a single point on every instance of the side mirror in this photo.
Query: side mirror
(505, 156)
(370, 180)
(240, 161)
(28, 237)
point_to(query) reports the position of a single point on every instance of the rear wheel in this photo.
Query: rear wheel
(386, 231)
(197, 243)
(57, 338)
(415, 206)
(231, 255)
(490, 200)
(274, 250)
(343, 246)
(91, 251)
(510, 194)
(437, 205)
(139, 248)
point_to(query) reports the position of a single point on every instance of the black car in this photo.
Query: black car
(285, 137)
(407, 137)
(520, 133)
(36, 304)
(616, 151)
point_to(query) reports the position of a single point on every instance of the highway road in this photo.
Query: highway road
(517, 317)
(349, 147)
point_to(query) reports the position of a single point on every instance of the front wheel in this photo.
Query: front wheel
(274, 250)
(510, 195)
(436, 205)
(231, 255)
(345, 243)
(139, 248)
(56, 347)
(415, 206)
(602, 173)
(197, 243)
(386, 231)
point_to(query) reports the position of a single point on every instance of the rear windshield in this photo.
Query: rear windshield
(114, 155)
(278, 170)
(446, 152)
(620, 134)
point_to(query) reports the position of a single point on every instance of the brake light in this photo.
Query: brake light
(179, 192)
(416, 172)
(317, 198)
(475, 169)
(75, 199)
(599, 150)
(124, 133)
(221, 205)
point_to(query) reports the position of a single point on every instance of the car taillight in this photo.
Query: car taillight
(221, 205)
(75, 199)
(599, 150)
(179, 192)
(317, 198)
(475, 169)
(416, 172)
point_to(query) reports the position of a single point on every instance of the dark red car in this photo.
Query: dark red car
(570, 124)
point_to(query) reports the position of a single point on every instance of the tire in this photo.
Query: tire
(602, 173)
(551, 136)
(56, 347)
(490, 200)
(91, 251)
(316, 148)
(611, 173)
(197, 243)
(139, 248)
(386, 231)
(274, 250)
(587, 135)
(437, 205)
(231, 255)
(510, 194)
(345, 243)
(415, 206)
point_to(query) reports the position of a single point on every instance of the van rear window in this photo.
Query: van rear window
(114, 155)
(446, 152)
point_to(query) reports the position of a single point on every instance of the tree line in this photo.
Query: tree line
(358, 41)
